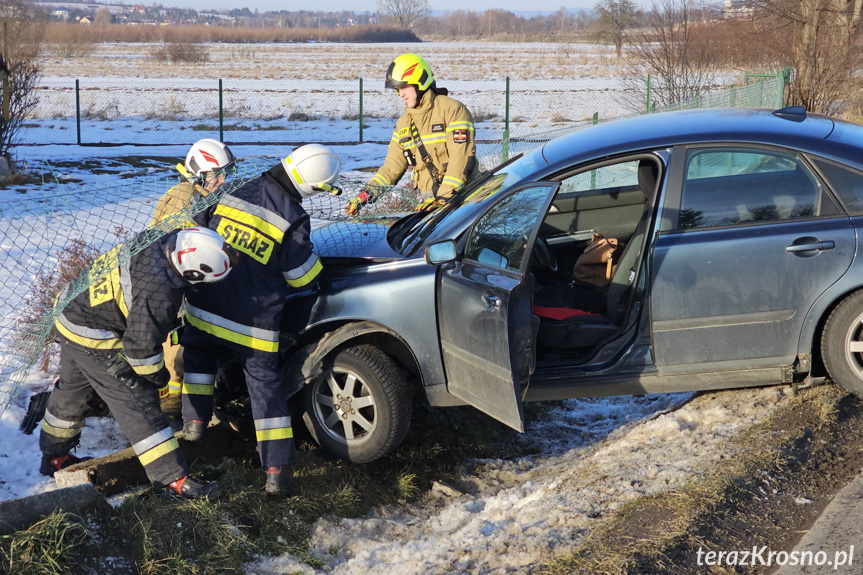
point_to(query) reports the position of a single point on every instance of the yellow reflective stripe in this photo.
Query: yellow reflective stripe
(174, 387)
(254, 221)
(148, 369)
(160, 450)
(435, 139)
(308, 277)
(455, 182)
(61, 432)
(460, 126)
(274, 434)
(297, 178)
(379, 179)
(113, 343)
(198, 389)
(232, 336)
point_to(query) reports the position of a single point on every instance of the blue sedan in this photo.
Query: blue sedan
(734, 263)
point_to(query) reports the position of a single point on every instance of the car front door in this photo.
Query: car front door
(488, 330)
(755, 241)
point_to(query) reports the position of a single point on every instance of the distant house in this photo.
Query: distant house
(373, 19)
(62, 14)
(737, 8)
(86, 21)
(138, 8)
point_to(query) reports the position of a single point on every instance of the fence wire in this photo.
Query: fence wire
(45, 236)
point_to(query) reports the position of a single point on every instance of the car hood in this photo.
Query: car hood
(352, 239)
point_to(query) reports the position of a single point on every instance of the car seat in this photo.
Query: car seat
(568, 331)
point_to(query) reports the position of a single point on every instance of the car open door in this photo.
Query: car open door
(487, 328)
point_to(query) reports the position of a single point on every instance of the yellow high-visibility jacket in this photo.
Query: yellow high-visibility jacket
(446, 129)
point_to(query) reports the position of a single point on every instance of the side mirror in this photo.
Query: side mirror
(440, 253)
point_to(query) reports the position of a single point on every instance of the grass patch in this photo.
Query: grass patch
(50, 547)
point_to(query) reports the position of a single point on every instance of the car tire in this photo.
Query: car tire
(358, 375)
(842, 344)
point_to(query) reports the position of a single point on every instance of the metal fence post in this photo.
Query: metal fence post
(731, 96)
(648, 93)
(505, 142)
(221, 114)
(78, 109)
(361, 110)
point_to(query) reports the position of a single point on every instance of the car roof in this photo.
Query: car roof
(804, 132)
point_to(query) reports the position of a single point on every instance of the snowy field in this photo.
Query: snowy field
(310, 92)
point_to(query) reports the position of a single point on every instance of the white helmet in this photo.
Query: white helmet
(313, 168)
(208, 156)
(201, 255)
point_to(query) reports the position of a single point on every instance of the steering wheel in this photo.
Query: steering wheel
(543, 256)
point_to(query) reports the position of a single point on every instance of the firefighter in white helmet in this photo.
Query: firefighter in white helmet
(265, 221)
(434, 137)
(207, 164)
(111, 344)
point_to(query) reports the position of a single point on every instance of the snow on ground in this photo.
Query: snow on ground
(518, 514)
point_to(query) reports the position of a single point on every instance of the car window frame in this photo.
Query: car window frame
(670, 217)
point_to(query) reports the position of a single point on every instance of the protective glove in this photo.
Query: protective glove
(352, 208)
(431, 203)
(120, 369)
(158, 379)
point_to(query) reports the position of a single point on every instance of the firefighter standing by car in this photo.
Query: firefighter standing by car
(207, 164)
(111, 343)
(434, 136)
(265, 221)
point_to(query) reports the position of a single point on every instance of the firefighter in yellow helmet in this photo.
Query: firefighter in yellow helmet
(434, 136)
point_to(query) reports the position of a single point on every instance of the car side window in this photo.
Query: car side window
(614, 176)
(847, 183)
(732, 186)
(499, 238)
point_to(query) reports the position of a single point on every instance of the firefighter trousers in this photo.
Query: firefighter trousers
(268, 392)
(83, 373)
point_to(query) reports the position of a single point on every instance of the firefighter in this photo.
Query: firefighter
(434, 137)
(207, 164)
(265, 221)
(111, 344)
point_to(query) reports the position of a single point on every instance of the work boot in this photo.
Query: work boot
(193, 430)
(190, 488)
(50, 464)
(281, 481)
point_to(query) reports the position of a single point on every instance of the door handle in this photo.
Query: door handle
(813, 247)
(492, 302)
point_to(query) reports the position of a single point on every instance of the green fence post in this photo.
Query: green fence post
(593, 172)
(697, 98)
(648, 93)
(731, 96)
(361, 110)
(786, 80)
(505, 142)
(221, 114)
(78, 109)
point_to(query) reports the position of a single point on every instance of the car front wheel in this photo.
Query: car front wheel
(842, 344)
(359, 409)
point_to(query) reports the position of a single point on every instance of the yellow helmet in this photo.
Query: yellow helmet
(409, 70)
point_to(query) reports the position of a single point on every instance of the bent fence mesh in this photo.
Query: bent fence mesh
(48, 240)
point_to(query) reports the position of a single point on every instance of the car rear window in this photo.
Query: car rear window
(729, 186)
(847, 183)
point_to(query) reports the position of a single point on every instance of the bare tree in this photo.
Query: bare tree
(823, 47)
(408, 13)
(102, 17)
(615, 17)
(674, 48)
(21, 27)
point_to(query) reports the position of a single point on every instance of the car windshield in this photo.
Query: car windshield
(408, 234)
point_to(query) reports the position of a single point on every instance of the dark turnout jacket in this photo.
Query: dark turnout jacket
(130, 306)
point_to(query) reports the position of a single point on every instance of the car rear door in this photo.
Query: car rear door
(757, 240)
(488, 330)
